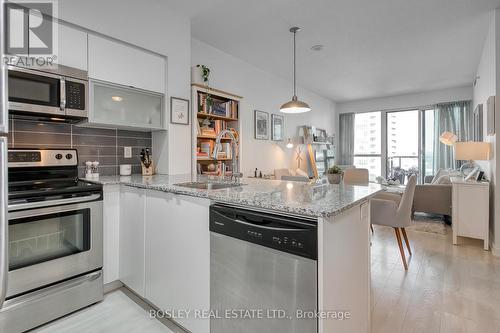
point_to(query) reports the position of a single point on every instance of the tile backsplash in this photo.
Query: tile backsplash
(94, 144)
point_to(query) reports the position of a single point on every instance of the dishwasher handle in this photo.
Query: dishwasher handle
(262, 226)
(291, 235)
(260, 219)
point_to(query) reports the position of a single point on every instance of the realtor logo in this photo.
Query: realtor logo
(29, 28)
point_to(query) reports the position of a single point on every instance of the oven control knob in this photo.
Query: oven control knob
(69, 156)
(59, 156)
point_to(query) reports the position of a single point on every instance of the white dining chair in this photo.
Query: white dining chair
(295, 178)
(394, 211)
(356, 176)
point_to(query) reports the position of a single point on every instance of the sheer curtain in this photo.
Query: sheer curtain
(346, 139)
(456, 117)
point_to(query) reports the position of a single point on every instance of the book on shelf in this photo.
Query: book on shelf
(215, 127)
(226, 149)
(202, 154)
(221, 155)
(198, 128)
(208, 132)
(202, 103)
(206, 147)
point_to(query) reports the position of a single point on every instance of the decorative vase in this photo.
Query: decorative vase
(334, 178)
(197, 75)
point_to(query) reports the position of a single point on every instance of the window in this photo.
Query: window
(367, 138)
(402, 151)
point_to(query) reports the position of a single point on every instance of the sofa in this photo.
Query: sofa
(433, 197)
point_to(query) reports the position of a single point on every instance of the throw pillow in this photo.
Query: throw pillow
(443, 180)
(441, 172)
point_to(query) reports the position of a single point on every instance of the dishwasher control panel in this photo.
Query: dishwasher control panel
(287, 234)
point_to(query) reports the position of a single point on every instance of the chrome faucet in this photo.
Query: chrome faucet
(234, 146)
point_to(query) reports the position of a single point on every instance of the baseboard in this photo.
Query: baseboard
(109, 287)
(148, 306)
(495, 250)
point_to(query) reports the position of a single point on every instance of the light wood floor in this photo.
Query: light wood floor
(447, 288)
(118, 313)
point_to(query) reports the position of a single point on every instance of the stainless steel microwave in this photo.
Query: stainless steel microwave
(61, 93)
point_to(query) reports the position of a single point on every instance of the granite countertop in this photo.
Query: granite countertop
(282, 196)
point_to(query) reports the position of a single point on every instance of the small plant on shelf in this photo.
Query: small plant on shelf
(334, 174)
(205, 72)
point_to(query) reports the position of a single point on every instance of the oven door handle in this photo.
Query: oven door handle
(41, 204)
(4, 224)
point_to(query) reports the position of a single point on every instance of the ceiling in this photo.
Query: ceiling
(371, 48)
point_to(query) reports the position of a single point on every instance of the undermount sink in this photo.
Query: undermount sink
(208, 186)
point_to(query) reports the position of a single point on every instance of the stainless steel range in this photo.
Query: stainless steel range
(54, 239)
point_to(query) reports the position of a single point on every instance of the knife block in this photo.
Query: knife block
(148, 171)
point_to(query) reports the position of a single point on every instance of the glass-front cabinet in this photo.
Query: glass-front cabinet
(122, 106)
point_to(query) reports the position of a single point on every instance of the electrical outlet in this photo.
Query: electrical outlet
(127, 152)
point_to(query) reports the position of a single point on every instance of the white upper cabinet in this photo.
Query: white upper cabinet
(72, 47)
(122, 64)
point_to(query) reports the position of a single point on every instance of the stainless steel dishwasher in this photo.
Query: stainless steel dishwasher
(263, 272)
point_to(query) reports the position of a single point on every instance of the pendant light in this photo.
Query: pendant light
(295, 105)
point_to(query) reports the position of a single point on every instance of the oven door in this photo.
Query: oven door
(51, 244)
(34, 91)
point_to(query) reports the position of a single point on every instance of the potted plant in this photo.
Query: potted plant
(200, 74)
(334, 174)
(399, 173)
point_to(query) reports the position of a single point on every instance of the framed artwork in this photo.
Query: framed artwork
(320, 135)
(179, 111)
(261, 125)
(277, 127)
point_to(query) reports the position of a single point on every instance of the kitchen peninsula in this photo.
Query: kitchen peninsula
(159, 229)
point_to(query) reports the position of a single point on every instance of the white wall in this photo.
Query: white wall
(265, 92)
(152, 25)
(488, 84)
(407, 101)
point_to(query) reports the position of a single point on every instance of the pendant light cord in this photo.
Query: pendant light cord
(294, 66)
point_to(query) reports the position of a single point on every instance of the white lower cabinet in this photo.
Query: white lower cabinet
(470, 210)
(111, 232)
(132, 208)
(178, 256)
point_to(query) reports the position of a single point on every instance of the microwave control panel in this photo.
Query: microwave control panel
(75, 95)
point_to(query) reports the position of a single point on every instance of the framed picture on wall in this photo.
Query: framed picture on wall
(179, 111)
(277, 127)
(261, 125)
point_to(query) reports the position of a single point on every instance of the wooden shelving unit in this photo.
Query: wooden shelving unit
(209, 137)
(212, 160)
(213, 116)
(208, 119)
